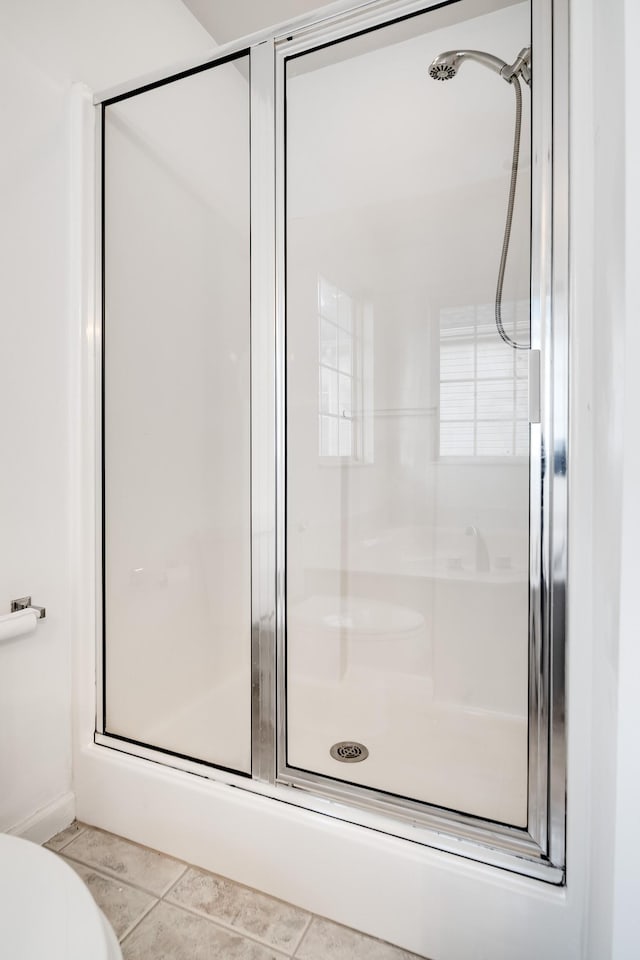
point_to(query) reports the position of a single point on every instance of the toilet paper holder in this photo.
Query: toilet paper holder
(24, 603)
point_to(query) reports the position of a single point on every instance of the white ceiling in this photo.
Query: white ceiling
(227, 21)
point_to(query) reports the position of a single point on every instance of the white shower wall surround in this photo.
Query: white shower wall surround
(416, 528)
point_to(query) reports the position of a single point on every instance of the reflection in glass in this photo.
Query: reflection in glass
(339, 376)
(483, 385)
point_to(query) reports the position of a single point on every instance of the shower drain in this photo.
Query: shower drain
(348, 751)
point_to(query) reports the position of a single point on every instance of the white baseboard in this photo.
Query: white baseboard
(49, 820)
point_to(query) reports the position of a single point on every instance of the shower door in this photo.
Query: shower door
(409, 450)
(176, 401)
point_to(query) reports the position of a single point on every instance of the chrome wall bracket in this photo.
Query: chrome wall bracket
(24, 603)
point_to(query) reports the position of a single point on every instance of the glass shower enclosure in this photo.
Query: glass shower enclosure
(333, 564)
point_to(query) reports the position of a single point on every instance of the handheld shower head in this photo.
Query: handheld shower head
(446, 65)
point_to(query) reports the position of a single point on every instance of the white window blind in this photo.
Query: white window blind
(483, 382)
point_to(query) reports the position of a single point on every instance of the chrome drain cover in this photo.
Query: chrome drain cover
(348, 751)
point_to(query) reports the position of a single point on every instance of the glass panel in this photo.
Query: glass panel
(177, 443)
(457, 400)
(328, 437)
(345, 388)
(493, 359)
(522, 400)
(407, 571)
(345, 438)
(522, 438)
(495, 399)
(495, 439)
(328, 391)
(328, 301)
(457, 359)
(345, 351)
(457, 439)
(328, 344)
(345, 313)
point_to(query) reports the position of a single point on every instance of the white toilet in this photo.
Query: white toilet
(46, 910)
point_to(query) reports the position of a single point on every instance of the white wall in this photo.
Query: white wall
(43, 47)
(606, 244)
(598, 195)
(626, 879)
(35, 508)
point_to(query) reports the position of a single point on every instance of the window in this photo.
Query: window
(483, 383)
(339, 374)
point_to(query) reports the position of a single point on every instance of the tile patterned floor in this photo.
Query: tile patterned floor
(163, 909)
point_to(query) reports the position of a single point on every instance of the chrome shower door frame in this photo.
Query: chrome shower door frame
(539, 849)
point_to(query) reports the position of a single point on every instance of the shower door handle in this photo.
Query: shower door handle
(534, 386)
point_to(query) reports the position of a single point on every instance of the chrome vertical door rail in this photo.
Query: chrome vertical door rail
(281, 412)
(98, 369)
(548, 506)
(541, 217)
(558, 416)
(263, 437)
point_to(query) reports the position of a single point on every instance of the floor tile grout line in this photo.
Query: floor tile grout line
(303, 935)
(145, 913)
(174, 883)
(112, 875)
(314, 916)
(238, 931)
(136, 925)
